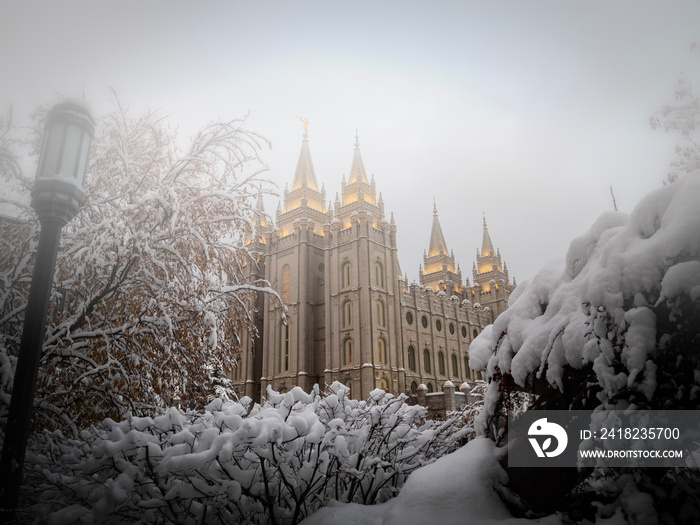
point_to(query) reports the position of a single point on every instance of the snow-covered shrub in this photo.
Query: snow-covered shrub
(626, 297)
(467, 415)
(615, 326)
(238, 462)
(150, 289)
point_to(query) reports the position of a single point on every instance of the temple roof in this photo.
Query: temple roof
(305, 168)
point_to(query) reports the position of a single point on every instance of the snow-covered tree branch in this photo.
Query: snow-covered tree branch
(682, 116)
(239, 462)
(150, 289)
(614, 326)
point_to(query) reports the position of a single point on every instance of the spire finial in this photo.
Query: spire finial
(434, 207)
(305, 123)
(357, 140)
(484, 214)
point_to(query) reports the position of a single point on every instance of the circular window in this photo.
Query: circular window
(452, 329)
(409, 317)
(475, 333)
(464, 332)
(438, 325)
(424, 322)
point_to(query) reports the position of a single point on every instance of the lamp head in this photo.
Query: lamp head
(58, 190)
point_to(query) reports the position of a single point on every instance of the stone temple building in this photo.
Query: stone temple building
(352, 316)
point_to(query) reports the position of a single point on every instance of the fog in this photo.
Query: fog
(525, 111)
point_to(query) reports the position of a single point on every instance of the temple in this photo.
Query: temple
(351, 315)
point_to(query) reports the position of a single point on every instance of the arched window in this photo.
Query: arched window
(347, 314)
(414, 386)
(348, 383)
(284, 349)
(412, 358)
(441, 363)
(430, 388)
(384, 384)
(286, 283)
(381, 314)
(466, 366)
(426, 361)
(454, 365)
(382, 351)
(345, 275)
(347, 351)
(379, 271)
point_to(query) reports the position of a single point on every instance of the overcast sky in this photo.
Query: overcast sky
(527, 111)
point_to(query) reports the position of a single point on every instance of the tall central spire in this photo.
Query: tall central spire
(358, 187)
(437, 239)
(486, 244)
(305, 168)
(305, 192)
(357, 171)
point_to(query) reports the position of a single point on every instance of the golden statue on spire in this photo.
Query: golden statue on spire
(305, 123)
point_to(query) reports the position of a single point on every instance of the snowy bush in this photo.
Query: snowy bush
(237, 462)
(150, 289)
(625, 299)
(613, 327)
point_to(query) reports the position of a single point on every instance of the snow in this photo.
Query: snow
(621, 260)
(300, 449)
(615, 272)
(189, 464)
(458, 489)
(623, 303)
(683, 278)
(149, 279)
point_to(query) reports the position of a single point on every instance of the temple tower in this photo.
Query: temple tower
(294, 343)
(439, 271)
(492, 286)
(362, 273)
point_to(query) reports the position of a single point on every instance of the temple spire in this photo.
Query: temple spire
(437, 239)
(305, 174)
(486, 244)
(357, 171)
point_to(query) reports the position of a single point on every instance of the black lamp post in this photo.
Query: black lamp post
(56, 197)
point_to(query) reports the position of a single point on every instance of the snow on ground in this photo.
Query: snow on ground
(614, 273)
(458, 489)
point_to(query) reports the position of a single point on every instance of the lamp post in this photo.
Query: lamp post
(56, 197)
